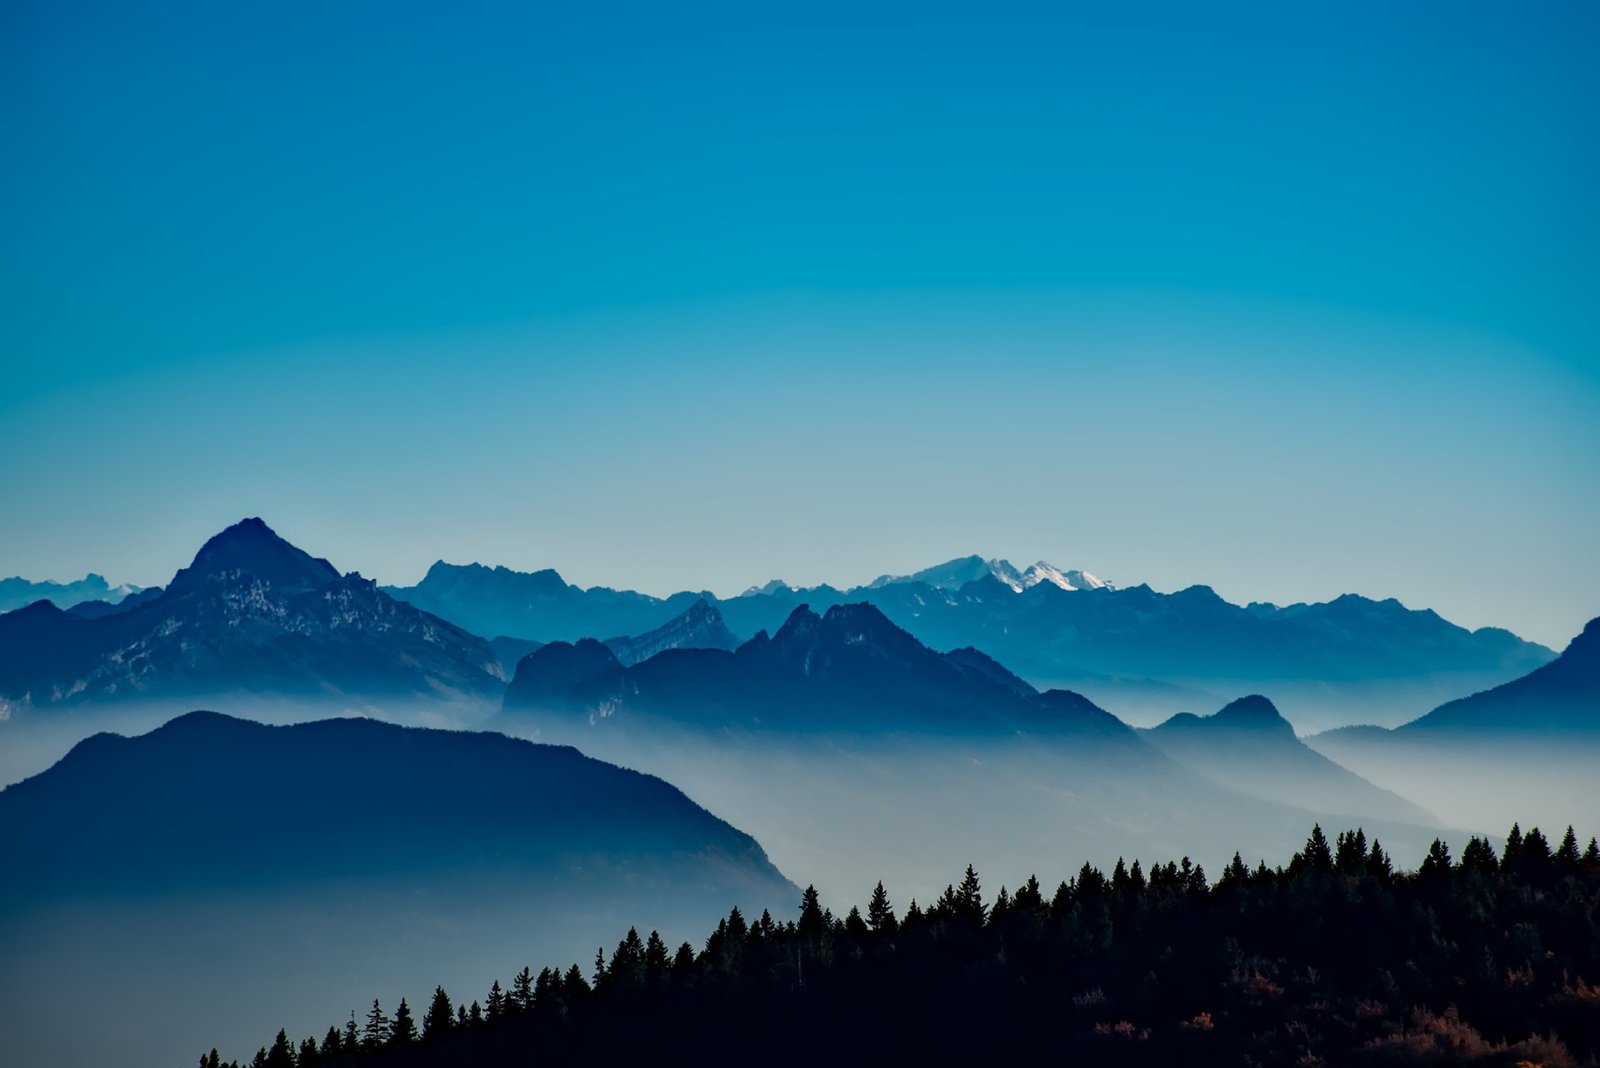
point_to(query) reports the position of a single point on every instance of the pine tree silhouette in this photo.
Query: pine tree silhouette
(404, 1030)
(880, 914)
(376, 1032)
(440, 1017)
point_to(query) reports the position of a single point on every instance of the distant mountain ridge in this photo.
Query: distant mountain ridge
(251, 614)
(849, 669)
(1130, 647)
(17, 592)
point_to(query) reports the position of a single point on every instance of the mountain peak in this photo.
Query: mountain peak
(1252, 711)
(255, 549)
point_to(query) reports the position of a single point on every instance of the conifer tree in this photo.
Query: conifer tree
(1478, 856)
(404, 1030)
(1535, 851)
(1378, 864)
(521, 1000)
(440, 1017)
(683, 961)
(376, 1032)
(969, 898)
(351, 1040)
(1318, 857)
(281, 1055)
(332, 1044)
(600, 966)
(1350, 853)
(475, 1014)
(855, 926)
(1001, 907)
(880, 914)
(1511, 858)
(1437, 862)
(812, 923)
(574, 985)
(1119, 878)
(1136, 881)
(496, 1005)
(656, 960)
(1592, 854)
(1567, 855)
(1028, 897)
(307, 1057)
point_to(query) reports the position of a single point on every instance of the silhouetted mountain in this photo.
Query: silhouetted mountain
(699, 627)
(1562, 697)
(251, 614)
(538, 605)
(96, 609)
(118, 815)
(17, 592)
(1249, 747)
(342, 855)
(1133, 648)
(847, 670)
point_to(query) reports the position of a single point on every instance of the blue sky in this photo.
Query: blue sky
(1287, 299)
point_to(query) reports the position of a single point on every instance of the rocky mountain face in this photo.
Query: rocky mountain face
(699, 627)
(251, 614)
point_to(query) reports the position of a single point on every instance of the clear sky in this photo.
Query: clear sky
(1290, 299)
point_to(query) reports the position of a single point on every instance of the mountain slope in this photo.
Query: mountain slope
(251, 614)
(1250, 747)
(1562, 697)
(699, 627)
(193, 868)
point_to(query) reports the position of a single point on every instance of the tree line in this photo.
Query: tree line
(1335, 957)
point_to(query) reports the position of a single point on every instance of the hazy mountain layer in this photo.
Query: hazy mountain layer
(1524, 750)
(1249, 747)
(1144, 653)
(18, 592)
(853, 750)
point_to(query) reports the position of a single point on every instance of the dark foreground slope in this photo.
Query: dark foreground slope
(217, 859)
(1336, 959)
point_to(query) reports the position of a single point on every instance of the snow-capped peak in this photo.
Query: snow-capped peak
(1067, 580)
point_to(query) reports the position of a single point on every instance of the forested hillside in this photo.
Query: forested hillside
(1335, 958)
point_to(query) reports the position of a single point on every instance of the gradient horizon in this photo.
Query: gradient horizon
(1289, 303)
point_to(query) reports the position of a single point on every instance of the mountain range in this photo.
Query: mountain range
(252, 614)
(1144, 652)
(17, 592)
(851, 673)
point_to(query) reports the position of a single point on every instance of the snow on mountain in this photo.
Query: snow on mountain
(957, 573)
